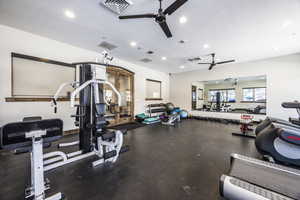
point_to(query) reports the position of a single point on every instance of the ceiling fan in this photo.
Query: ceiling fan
(160, 18)
(214, 63)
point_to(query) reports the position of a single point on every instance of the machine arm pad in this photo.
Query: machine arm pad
(295, 105)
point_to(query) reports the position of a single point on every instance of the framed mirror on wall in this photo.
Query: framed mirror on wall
(25, 87)
(236, 95)
(153, 90)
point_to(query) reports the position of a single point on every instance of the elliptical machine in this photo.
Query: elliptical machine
(279, 140)
(250, 178)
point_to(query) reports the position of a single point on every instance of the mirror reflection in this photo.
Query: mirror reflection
(236, 95)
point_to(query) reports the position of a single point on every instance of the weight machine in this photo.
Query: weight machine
(94, 137)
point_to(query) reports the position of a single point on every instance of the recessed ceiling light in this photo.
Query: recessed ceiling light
(133, 44)
(287, 23)
(182, 67)
(206, 46)
(164, 58)
(182, 19)
(70, 14)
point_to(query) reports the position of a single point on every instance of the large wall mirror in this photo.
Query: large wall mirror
(153, 90)
(238, 95)
(51, 74)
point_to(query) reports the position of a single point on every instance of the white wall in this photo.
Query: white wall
(283, 80)
(14, 40)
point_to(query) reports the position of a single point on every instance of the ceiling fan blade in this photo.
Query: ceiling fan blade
(223, 62)
(204, 63)
(137, 16)
(174, 6)
(166, 29)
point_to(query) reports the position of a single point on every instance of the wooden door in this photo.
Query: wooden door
(111, 98)
(124, 83)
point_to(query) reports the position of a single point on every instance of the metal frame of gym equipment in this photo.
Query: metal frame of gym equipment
(245, 122)
(250, 178)
(38, 187)
(94, 138)
(31, 136)
(239, 183)
(173, 119)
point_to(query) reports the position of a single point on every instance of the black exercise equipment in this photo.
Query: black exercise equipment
(279, 140)
(32, 136)
(245, 124)
(293, 122)
(259, 110)
(250, 178)
(171, 116)
(91, 119)
(293, 105)
(33, 118)
(218, 101)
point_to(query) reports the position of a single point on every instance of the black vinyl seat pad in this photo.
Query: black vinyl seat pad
(13, 134)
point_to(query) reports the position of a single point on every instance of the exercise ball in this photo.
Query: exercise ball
(183, 114)
(174, 112)
(169, 107)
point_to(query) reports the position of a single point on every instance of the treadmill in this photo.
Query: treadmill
(253, 179)
(293, 122)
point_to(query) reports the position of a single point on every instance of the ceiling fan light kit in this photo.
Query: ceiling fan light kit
(160, 17)
(214, 63)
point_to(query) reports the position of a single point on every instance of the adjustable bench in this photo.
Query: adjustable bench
(32, 136)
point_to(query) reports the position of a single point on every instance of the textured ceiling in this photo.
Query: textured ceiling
(244, 30)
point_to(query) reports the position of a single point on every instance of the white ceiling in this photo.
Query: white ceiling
(232, 80)
(235, 29)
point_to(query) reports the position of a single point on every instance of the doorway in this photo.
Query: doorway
(194, 97)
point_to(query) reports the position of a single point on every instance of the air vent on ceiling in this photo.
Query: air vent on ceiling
(107, 46)
(117, 6)
(146, 60)
(150, 52)
(182, 41)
